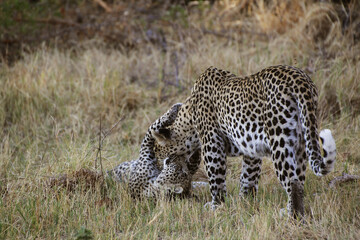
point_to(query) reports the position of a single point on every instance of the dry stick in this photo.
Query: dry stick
(103, 5)
(101, 141)
(344, 178)
(98, 154)
(100, 144)
(108, 132)
(101, 167)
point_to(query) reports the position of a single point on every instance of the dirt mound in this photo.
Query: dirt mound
(85, 178)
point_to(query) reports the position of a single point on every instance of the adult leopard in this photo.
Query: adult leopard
(147, 178)
(270, 113)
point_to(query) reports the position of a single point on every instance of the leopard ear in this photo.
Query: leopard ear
(166, 162)
(162, 136)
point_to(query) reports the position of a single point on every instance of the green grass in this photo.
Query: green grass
(51, 102)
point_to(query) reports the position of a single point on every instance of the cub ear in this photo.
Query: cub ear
(162, 136)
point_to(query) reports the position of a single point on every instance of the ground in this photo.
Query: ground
(52, 99)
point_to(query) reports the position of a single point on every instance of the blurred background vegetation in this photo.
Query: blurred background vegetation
(125, 25)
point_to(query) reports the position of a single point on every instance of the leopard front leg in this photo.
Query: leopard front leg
(214, 156)
(250, 174)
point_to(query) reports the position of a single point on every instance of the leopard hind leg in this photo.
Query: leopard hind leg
(288, 155)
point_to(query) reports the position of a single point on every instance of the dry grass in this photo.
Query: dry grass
(51, 102)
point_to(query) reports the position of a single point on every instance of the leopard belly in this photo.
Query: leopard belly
(248, 143)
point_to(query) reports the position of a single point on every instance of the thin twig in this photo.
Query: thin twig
(101, 140)
(109, 132)
(103, 5)
(100, 145)
(98, 154)
(344, 178)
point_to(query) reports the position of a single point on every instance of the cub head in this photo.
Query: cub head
(175, 176)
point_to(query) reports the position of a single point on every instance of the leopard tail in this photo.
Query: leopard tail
(320, 164)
